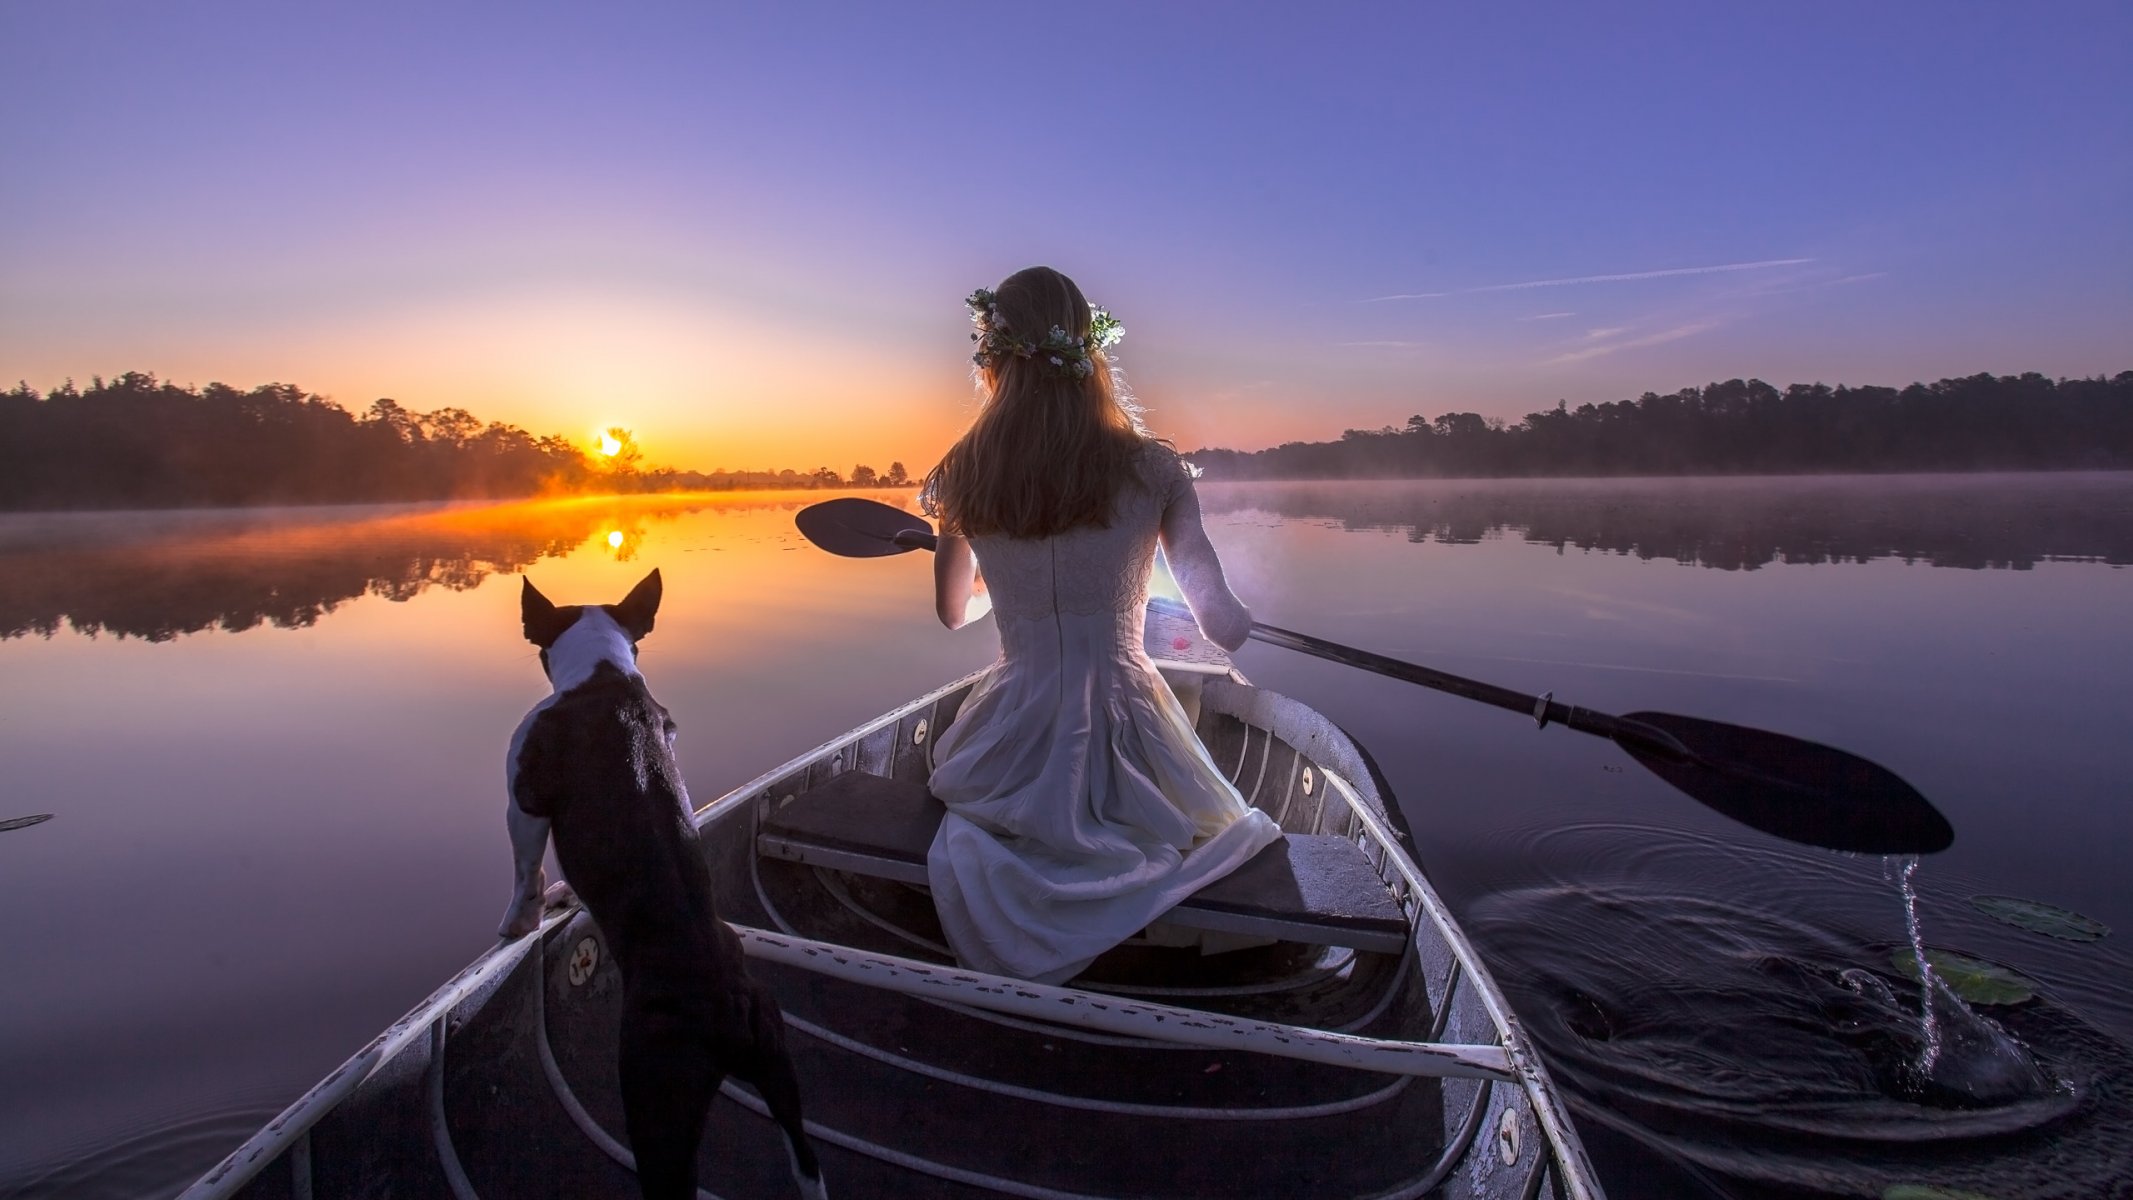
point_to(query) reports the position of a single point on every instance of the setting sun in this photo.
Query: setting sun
(614, 536)
(609, 446)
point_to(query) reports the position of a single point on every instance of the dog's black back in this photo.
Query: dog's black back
(598, 765)
(596, 761)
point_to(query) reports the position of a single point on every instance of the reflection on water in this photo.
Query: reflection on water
(276, 836)
(2009, 521)
(161, 575)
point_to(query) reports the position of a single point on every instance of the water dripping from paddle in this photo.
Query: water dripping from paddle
(1964, 1057)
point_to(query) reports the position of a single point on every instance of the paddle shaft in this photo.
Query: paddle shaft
(1543, 709)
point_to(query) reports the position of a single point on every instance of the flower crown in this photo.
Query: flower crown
(1067, 354)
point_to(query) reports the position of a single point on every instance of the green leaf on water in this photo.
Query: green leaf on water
(1973, 979)
(1926, 1191)
(2040, 918)
(24, 822)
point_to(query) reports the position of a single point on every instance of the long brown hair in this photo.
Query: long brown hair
(1047, 452)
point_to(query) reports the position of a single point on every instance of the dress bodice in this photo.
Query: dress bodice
(1090, 571)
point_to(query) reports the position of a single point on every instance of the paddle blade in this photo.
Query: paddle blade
(855, 528)
(1798, 790)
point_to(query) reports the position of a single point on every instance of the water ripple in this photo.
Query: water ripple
(158, 1159)
(1775, 1049)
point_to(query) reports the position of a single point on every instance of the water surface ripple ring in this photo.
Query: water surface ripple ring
(1741, 1039)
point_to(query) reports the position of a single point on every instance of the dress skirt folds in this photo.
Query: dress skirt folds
(1081, 804)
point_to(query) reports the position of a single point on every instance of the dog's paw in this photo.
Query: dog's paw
(559, 895)
(522, 918)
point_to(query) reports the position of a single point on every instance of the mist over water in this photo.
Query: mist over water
(1742, 523)
(272, 742)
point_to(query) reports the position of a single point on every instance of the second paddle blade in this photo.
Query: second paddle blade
(856, 528)
(1798, 790)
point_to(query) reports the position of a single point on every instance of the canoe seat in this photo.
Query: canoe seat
(1312, 888)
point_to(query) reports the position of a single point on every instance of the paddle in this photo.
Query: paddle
(1798, 790)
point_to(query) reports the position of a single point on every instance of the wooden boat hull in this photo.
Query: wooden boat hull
(503, 1084)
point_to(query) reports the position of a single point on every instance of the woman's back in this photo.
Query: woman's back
(1090, 570)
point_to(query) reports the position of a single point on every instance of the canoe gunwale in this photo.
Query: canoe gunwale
(1527, 1069)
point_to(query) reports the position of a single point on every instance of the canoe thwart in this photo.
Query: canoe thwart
(1130, 1017)
(1312, 888)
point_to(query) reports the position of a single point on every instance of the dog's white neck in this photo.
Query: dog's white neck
(592, 639)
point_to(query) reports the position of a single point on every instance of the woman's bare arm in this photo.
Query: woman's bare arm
(1198, 570)
(959, 595)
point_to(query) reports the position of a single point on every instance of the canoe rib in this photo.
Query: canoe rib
(1355, 1103)
(455, 1174)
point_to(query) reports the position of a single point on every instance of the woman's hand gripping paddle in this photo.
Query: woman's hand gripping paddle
(1798, 790)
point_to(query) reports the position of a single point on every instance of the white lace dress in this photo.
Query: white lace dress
(1081, 805)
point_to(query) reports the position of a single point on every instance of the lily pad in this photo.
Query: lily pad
(24, 822)
(2040, 918)
(1973, 979)
(1926, 1191)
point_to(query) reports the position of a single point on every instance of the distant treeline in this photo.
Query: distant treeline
(139, 442)
(1980, 423)
(1966, 521)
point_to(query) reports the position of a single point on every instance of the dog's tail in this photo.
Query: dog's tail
(780, 1089)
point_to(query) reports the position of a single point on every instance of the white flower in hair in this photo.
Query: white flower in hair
(1068, 354)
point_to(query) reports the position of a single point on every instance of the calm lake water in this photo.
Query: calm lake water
(273, 743)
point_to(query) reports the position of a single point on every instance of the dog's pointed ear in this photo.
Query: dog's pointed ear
(637, 609)
(538, 614)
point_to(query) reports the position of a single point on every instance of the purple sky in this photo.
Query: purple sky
(747, 234)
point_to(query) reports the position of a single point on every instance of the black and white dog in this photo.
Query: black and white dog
(594, 764)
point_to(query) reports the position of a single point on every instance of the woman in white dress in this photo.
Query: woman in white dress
(1081, 805)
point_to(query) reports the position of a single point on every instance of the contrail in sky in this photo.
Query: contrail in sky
(1625, 277)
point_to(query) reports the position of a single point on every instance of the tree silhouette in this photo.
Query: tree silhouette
(139, 442)
(160, 576)
(627, 453)
(1982, 422)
